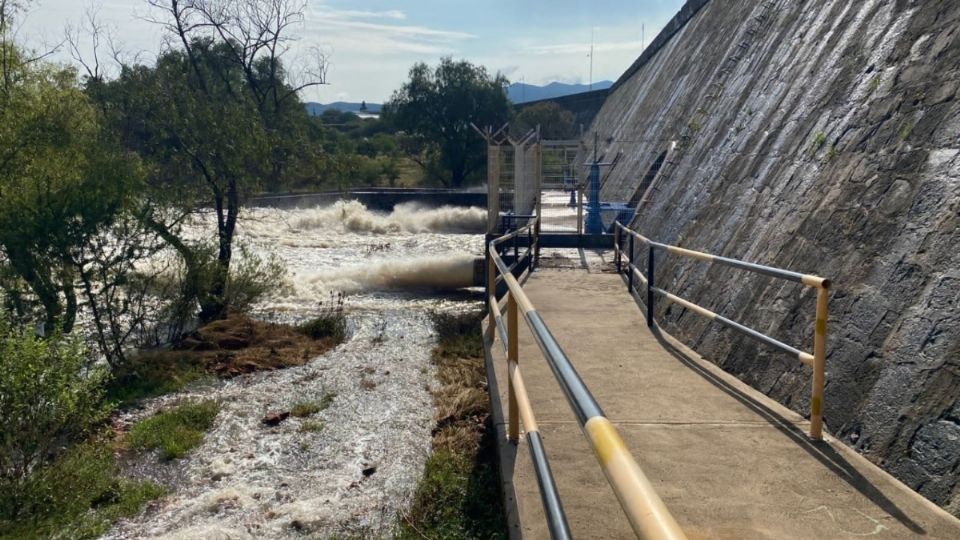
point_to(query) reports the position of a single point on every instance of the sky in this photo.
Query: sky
(373, 43)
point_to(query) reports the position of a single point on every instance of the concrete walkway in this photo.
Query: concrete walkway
(727, 461)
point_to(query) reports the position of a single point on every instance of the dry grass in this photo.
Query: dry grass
(459, 494)
(226, 348)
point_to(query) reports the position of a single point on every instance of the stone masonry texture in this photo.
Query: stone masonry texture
(821, 136)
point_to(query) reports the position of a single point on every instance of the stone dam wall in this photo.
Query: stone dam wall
(821, 136)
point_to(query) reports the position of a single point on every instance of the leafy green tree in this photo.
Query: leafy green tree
(436, 107)
(554, 121)
(215, 119)
(61, 181)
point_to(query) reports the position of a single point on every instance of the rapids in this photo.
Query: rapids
(251, 481)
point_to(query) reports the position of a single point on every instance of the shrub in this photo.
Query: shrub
(252, 278)
(331, 323)
(175, 432)
(49, 397)
(77, 496)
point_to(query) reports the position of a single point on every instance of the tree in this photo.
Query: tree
(435, 109)
(61, 182)
(216, 118)
(554, 121)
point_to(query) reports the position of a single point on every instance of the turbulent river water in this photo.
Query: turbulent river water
(354, 475)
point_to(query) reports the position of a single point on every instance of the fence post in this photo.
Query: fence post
(513, 354)
(819, 363)
(630, 266)
(651, 271)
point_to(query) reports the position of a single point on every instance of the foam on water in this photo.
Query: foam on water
(353, 216)
(250, 481)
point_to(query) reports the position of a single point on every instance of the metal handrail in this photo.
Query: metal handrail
(817, 360)
(646, 512)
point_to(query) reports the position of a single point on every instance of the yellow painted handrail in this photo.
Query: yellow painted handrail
(648, 515)
(817, 360)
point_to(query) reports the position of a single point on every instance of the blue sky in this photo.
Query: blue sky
(373, 43)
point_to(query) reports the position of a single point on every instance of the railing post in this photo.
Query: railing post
(651, 272)
(530, 249)
(491, 291)
(516, 248)
(616, 244)
(630, 267)
(819, 363)
(513, 354)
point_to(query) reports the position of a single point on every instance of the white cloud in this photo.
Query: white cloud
(584, 47)
(355, 30)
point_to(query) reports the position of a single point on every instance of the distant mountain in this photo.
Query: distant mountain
(316, 109)
(522, 93)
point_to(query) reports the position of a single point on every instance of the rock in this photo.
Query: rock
(368, 472)
(274, 418)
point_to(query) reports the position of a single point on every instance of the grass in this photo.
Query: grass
(174, 432)
(459, 493)
(311, 426)
(818, 141)
(153, 374)
(905, 129)
(458, 336)
(331, 323)
(78, 496)
(310, 408)
(832, 152)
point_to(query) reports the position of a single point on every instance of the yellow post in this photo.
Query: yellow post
(513, 354)
(819, 363)
(491, 292)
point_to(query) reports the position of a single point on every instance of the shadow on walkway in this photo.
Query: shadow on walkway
(820, 450)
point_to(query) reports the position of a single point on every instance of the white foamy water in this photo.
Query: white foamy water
(353, 216)
(251, 481)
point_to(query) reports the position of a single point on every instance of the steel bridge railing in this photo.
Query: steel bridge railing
(817, 360)
(648, 516)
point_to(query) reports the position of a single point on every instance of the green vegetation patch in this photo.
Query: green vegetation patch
(175, 432)
(310, 408)
(458, 335)
(459, 493)
(817, 143)
(154, 374)
(330, 324)
(78, 496)
(311, 426)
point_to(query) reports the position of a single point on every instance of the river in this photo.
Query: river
(352, 476)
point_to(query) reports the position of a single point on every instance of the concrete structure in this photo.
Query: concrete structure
(727, 461)
(818, 136)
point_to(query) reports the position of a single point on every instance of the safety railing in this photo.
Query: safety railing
(817, 360)
(644, 509)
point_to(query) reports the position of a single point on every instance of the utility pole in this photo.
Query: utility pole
(591, 56)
